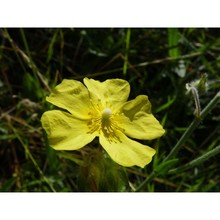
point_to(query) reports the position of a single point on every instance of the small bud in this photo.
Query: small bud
(196, 87)
(200, 84)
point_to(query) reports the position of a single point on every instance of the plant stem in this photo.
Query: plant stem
(185, 136)
(149, 178)
(193, 126)
(197, 103)
(197, 161)
(127, 41)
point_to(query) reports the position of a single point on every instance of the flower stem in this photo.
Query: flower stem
(185, 136)
(196, 161)
(193, 126)
(196, 99)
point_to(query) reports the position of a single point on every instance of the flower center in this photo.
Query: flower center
(105, 122)
(106, 113)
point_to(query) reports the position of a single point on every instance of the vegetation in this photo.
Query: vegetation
(156, 62)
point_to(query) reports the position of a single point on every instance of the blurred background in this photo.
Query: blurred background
(156, 62)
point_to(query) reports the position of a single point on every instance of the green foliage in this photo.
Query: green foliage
(31, 87)
(165, 166)
(156, 62)
(173, 40)
(100, 173)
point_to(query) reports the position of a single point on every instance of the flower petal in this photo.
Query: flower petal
(65, 132)
(112, 92)
(127, 152)
(137, 120)
(73, 96)
(144, 127)
(140, 103)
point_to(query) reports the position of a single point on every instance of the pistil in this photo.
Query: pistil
(106, 113)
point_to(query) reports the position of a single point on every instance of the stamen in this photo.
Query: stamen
(104, 122)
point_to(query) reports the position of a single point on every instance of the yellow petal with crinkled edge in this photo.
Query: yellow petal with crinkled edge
(144, 127)
(137, 120)
(72, 96)
(65, 132)
(140, 103)
(112, 92)
(127, 152)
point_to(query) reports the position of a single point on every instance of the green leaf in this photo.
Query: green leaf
(51, 46)
(31, 87)
(165, 166)
(173, 39)
(69, 156)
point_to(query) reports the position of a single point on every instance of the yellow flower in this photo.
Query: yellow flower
(101, 109)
